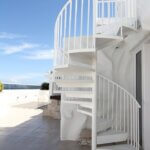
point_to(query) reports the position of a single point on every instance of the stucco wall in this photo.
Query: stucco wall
(17, 97)
(117, 62)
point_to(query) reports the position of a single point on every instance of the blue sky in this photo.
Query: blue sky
(26, 39)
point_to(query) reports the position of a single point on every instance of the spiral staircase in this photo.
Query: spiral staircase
(83, 27)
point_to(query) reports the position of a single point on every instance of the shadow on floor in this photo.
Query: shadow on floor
(38, 133)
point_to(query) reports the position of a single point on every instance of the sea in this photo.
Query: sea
(19, 86)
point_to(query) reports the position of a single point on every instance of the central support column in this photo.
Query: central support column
(94, 99)
(94, 110)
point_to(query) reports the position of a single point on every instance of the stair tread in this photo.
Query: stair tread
(77, 102)
(117, 147)
(113, 37)
(81, 65)
(75, 66)
(74, 81)
(112, 132)
(111, 136)
(78, 94)
(92, 50)
(87, 105)
(81, 92)
(85, 111)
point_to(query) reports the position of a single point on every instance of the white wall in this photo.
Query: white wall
(17, 97)
(146, 96)
(119, 64)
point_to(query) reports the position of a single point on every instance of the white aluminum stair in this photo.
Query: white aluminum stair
(78, 102)
(74, 83)
(87, 105)
(126, 29)
(78, 94)
(80, 51)
(75, 66)
(109, 37)
(76, 54)
(85, 111)
(108, 29)
(111, 136)
(117, 147)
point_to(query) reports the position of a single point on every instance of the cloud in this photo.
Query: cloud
(11, 49)
(5, 35)
(40, 55)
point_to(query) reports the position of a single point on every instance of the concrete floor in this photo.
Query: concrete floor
(26, 129)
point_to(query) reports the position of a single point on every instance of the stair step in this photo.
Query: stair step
(102, 124)
(85, 111)
(104, 21)
(108, 29)
(74, 67)
(90, 50)
(104, 42)
(87, 105)
(109, 37)
(127, 29)
(74, 83)
(75, 94)
(78, 94)
(111, 136)
(81, 103)
(117, 147)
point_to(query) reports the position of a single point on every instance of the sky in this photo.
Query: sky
(27, 39)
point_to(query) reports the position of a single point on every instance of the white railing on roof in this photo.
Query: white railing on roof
(80, 21)
(118, 105)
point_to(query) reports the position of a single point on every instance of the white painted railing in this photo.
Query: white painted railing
(113, 14)
(115, 103)
(73, 29)
(80, 21)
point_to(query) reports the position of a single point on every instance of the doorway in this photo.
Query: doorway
(139, 88)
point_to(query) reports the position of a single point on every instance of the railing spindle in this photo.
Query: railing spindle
(103, 97)
(134, 125)
(120, 109)
(116, 108)
(108, 100)
(124, 111)
(128, 118)
(138, 131)
(75, 23)
(70, 19)
(65, 28)
(131, 121)
(113, 91)
(88, 23)
(81, 23)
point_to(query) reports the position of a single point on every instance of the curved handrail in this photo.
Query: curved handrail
(67, 3)
(110, 81)
(117, 104)
(74, 28)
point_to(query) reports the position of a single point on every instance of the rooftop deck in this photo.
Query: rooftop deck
(24, 128)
